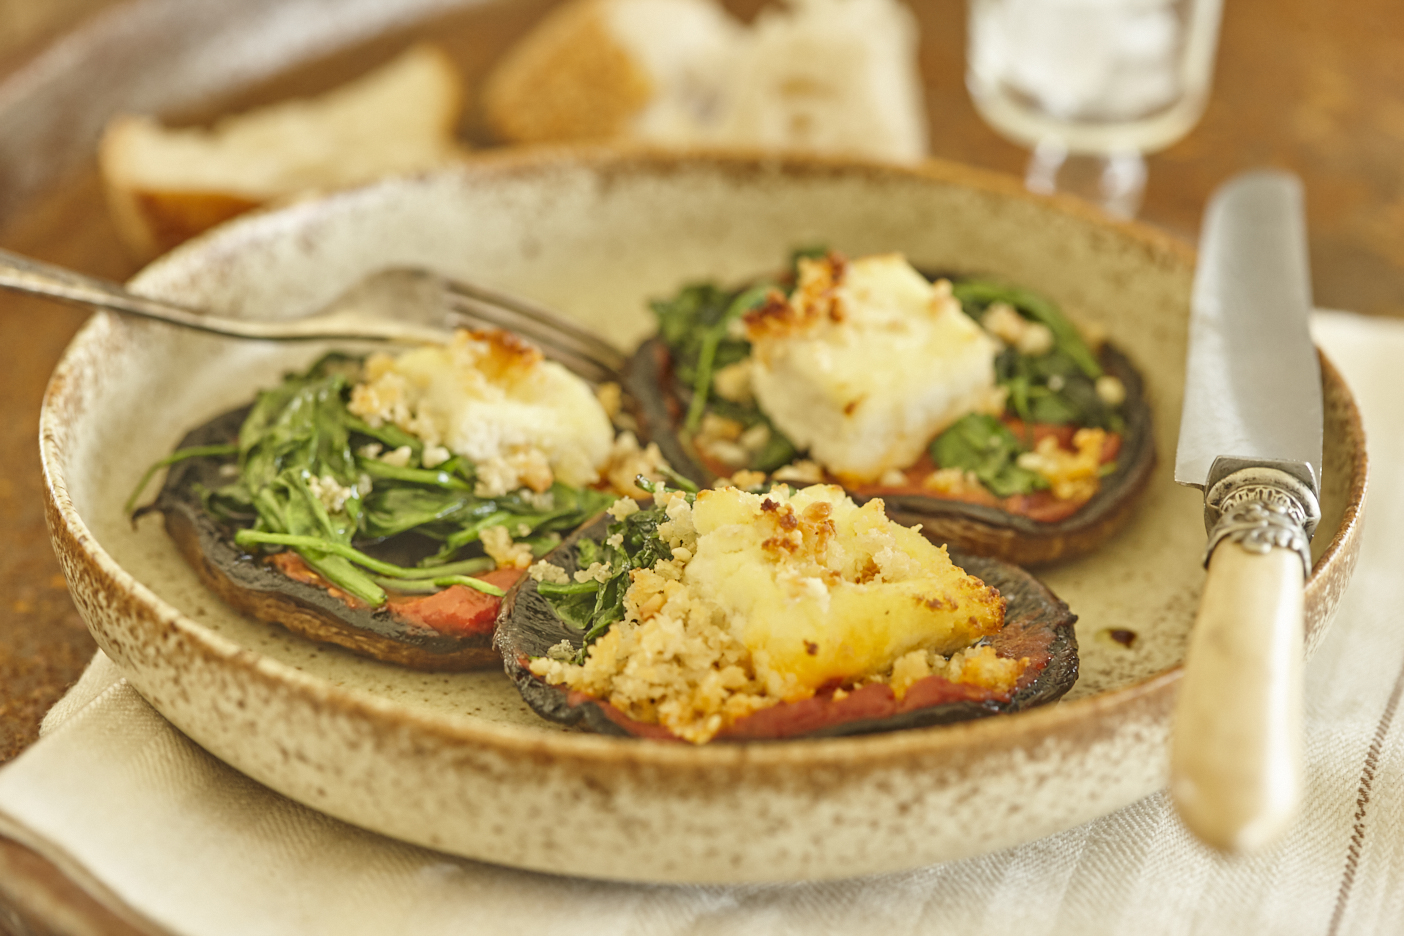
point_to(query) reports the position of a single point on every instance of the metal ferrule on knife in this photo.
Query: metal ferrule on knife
(1261, 505)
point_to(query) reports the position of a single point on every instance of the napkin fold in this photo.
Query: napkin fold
(176, 841)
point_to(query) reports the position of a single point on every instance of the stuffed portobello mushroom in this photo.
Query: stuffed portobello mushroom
(973, 408)
(729, 614)
(386, 503)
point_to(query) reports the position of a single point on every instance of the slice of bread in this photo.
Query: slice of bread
(592, 69)
(828, 76)
(167, 185)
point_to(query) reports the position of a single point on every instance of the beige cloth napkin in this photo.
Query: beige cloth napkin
(155, 826)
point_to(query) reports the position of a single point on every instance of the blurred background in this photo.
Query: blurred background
(1310, 86)
(1313, 87)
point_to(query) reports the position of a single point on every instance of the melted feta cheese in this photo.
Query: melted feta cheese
(492, 398)
(866, 362)
(820, 589)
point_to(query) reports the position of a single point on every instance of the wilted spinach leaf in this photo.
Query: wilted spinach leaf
(299, 442)
(981, 444)
(592, 606)
(697, 325)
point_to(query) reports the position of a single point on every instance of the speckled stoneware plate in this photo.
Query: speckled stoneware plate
(457, 762)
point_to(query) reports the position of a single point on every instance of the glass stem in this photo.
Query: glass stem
(1115, 181)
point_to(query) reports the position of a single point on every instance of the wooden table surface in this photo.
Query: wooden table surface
(1311, 87)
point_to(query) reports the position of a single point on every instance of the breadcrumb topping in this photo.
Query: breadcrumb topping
(770, 598)
(1073, 475)
(627, 460)
(497, 541)
(544, 571)
(332, 494)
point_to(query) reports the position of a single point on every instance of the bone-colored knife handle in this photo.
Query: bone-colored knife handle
(1236, 745)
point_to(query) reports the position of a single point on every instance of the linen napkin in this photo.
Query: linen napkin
(161, 831)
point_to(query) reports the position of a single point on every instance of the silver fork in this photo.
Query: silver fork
(403, 305)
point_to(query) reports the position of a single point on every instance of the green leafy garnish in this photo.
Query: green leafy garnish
(711, 341)
(981, 444)
(1058, 387)
(301, 485)
(179, 455)
(454, 474)
(977, 295)
(592, 606)
(294, 438)
(251, 537)
(1051, 388)
(697, 326)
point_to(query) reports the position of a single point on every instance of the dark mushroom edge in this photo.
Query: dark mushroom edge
(1037, 625)
(249, 584)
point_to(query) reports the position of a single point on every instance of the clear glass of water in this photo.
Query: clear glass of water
(1092, 85)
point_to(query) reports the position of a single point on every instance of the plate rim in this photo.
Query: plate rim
(1013, 730)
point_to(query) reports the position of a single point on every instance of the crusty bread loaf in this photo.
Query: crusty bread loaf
(828, 76)
(166, 185)
(593, 69)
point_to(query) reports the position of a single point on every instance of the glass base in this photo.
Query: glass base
(1114, 181)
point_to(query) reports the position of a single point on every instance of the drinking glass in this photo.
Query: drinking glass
(1091, 85)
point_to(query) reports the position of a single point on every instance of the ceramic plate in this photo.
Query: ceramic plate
(457, 762)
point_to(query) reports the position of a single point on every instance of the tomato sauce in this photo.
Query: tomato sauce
(456, 611)
(1038, 505)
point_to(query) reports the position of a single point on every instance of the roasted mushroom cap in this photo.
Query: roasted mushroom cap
(248, 583)
(1037, 625)
(984, 530)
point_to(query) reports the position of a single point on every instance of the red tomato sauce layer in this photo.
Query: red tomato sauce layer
(1039, 505)
(1021, 639)
(456, 611)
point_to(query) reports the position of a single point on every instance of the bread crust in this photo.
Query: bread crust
(155, 207)
(569, 79)
(824, 77)
(153, 221)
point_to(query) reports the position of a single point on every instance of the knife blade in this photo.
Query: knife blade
(1250, 437)
(1252, 382)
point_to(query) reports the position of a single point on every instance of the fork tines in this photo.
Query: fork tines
(583, 352)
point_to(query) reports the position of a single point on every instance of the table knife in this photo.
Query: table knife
(1250, 438)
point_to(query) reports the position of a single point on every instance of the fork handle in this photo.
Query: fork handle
(33, 277)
